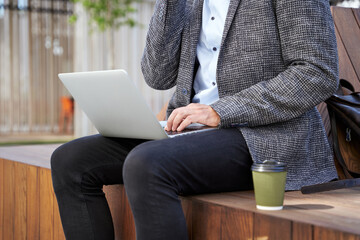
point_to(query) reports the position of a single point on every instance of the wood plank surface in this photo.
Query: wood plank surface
(187, 209)
(318, 209)
(321, 233)
(322, 108)
(37, 155)
(271, 228)
(346, 71)
(301, 231)
(349, 30)
(210, 219)
(46, 205)
(236, 224)
(9, 200)
(206, 223)
(128, 224)
(58, 229)
(113, 195)
(33, 203)
(121, 213)
(20, 201)
(356, 12)
(1, 197)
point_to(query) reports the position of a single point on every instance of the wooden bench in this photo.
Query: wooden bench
(28, 208)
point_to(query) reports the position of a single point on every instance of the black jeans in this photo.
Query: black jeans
(155, 173)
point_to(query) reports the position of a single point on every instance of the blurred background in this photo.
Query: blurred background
(37, 41)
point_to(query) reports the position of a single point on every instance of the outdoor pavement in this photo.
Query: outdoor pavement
(35, 138)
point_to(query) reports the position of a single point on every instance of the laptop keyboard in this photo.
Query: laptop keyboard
(189, 130)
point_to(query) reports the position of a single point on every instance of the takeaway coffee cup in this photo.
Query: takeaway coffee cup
(269, 179)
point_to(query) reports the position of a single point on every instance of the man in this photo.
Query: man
(256, 69)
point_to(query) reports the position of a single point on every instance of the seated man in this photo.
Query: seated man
(256, 69)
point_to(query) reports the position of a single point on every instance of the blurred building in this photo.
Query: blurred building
(37, 43)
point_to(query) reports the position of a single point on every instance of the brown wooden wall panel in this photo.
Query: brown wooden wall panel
(46, 205)
(121, 213)
(9, 200)
(128, 223)
(1, 197)
(33, 203)
(236, 224)
(206, 223)
(58, 230)
(301, 231)
(349, 30)
(328, 234)
(20, 201)
(187, 209)
(271, 228)
(24, 214)
(113, 195)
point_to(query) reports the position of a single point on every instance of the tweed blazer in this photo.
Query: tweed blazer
(278, 60)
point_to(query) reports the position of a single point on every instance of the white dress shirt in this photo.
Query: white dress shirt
(207, 51)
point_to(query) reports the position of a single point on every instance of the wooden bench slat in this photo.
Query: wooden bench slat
(1, 196)
(316, 209)
(58, 229)
(345, 71)
(206, 221)
(47, 205)
(9, 200)
(236, 224)
(29, 206)
(37, 155)
(119, 204)
(329, 234)
(268, 227)
(187, 209)
(357, 15)
(301, 231)
(33, 203)
(20, 201)
(349, 30)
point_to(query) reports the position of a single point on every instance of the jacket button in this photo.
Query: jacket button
(184, 91)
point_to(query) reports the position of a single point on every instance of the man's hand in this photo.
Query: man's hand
(182, 117)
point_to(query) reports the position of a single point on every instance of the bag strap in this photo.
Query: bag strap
(339, 184)
(346, 84)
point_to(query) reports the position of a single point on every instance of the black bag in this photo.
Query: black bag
(344, 112)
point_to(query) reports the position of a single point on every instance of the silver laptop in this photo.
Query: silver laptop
(115, 106)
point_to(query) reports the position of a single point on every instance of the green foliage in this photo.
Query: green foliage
(106, 14)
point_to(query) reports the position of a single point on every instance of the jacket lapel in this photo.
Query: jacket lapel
(195, 26)
(234, 4)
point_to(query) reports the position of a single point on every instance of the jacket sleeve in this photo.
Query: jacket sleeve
(309, 52)
(160, 59)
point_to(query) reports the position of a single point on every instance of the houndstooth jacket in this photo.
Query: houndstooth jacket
(278, 60)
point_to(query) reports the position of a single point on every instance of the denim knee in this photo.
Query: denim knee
(63, 161)
(137, 167)
(143, 169)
